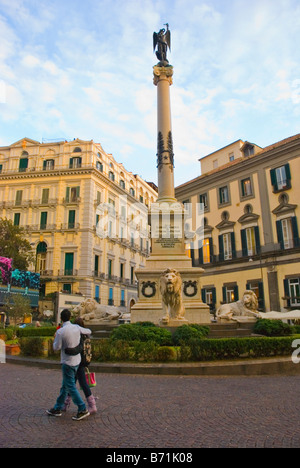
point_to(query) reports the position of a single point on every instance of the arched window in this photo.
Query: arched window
(41, 258)
(77, 150)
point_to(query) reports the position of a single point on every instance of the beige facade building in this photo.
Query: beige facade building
(251, 206)
(54, 190)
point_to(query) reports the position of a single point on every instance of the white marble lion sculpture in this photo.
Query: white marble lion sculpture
(171, 292)
(246, 307)
(91, 310)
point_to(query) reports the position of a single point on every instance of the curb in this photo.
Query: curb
(267, 366)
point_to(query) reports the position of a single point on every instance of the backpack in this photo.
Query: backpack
(86, 353)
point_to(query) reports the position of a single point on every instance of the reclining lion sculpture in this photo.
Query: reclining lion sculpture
(246, 307)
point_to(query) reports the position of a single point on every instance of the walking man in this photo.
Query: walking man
(68, 336)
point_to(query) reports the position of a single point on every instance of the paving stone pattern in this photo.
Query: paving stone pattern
(152, 411)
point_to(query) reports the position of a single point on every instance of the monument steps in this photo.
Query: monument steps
(230, 330)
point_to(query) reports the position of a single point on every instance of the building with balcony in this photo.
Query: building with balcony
(250, 237)
(54, 190)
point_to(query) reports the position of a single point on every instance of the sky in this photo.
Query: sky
(72, 69)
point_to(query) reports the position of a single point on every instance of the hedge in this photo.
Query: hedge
(34, 331)
(142, 332)
(106, 350)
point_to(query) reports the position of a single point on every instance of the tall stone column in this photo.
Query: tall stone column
(165, 156)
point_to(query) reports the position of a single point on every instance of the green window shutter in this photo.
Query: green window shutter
(78, 191)
(280, 234)
(221, 248)
(287, 291)
(295, 231)
(274, 179)
(244, 242)
(69, 263)
(200, 250)
(23, 164)
(19, 195)
(17, 219)
(203, 294)
(68, 194)
(44, 216)
(214, 296)
(224, 291)
(236, 293)
(71, 221)
(288, 176)
(257, 239)
(233, 248)
(211, 250)
(71, 163)
(261, 298)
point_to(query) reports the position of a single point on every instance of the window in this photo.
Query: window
(43, 221)
(41, 257)
(1, 167)
(209, 296)
(109, 267)
(71, 219)
(96, 265)
(132, 191)
(132, 275)
(223, 195)
(75, 163)
(292, 291)
(72, 194)
(48, 165)
(111, 297)
(287, 232)
(45, 196)
(281, 178)
(77, 150)
(230, 293)
(231, 157)
(249, 150)
(227, 246)
(122, 298)
(99, 166)
(17, 219)
(69, 263)
(111, 176)
(67, 288)
(97, 293)
(122, 184)
(246, 187)
(203, 199)
(250, 241)
(19, 195)
(121, 270)
(23, 164)
(206, 251)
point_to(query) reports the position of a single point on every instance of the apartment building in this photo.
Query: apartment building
(250, 197)
(54, 191)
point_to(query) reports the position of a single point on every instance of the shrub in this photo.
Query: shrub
(33, 331)
(272, 328)
(185, 333)
(143, 333)
(32, 346)
(165, 353)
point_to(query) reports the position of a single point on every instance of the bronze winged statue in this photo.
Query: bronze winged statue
(162, 41)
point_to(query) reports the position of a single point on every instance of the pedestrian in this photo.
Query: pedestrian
(69, 337)
(80, 375)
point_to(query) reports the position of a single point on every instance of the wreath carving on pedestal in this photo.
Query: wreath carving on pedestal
(190, 284)
(146, 285)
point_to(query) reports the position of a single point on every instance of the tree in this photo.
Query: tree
(17, 307)
(13, 244)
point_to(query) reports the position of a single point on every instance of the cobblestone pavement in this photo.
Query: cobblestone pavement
(152, 411)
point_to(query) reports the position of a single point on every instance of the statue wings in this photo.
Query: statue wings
(167, 36)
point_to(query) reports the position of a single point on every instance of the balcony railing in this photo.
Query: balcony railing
(67, 226)
(68, 272)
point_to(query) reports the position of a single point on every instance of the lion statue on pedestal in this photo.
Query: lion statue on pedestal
(171, 292)
(246, 307)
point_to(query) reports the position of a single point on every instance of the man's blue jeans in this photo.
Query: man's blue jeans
(69, 388)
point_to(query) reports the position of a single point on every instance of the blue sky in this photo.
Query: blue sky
(73, 69)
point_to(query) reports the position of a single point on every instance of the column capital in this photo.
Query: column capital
(163, 73)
